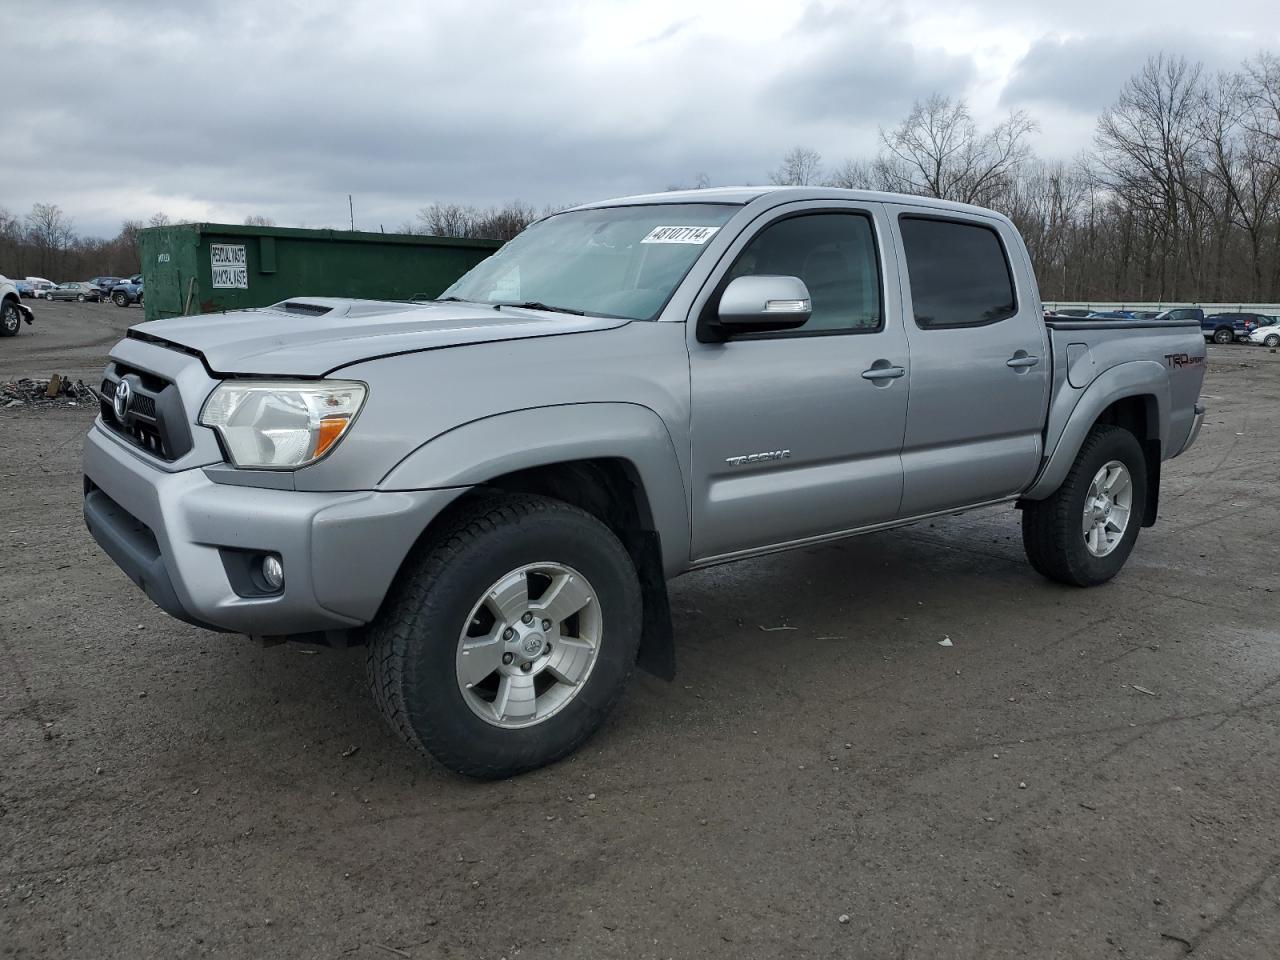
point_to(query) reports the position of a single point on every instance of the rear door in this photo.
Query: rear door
(980, 364)
(797, 434)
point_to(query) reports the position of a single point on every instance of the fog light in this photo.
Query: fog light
(273, 571)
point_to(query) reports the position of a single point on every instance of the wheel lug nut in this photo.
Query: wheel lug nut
(507, 658)
(546, 649)
(526, 667)
(527, 618)
(508, 633)
(546, 624)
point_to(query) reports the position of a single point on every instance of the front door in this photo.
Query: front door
(980, 361)
(797, 434)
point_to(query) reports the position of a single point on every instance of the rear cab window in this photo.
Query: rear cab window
(958, 272)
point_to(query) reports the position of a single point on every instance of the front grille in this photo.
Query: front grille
(153, 418)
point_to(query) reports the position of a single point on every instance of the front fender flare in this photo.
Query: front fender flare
(476, 452)
(1074, 412)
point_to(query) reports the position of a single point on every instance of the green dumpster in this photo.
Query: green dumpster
(209, 267)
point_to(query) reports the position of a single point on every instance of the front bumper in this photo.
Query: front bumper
(178, 536)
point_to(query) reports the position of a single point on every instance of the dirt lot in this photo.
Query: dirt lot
(1083, 774)
(67, 337)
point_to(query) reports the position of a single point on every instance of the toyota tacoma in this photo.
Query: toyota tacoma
(491, 490)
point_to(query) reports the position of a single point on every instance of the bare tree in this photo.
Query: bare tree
(258, 220)
(159, 219)
(801, 167)
(460, 220)
(939, 151)
(1150, 148)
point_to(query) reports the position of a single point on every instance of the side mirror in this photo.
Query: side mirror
(752, 304)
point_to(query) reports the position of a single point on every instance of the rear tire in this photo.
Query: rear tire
(1056, 530)
(440, 606)
(1224, 335)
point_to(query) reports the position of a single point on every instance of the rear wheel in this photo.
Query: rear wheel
(1084, 532)
(508, 638)
(1224, 335)
(10, 320)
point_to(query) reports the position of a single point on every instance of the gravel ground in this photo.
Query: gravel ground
(1082, 774)
(67, 337)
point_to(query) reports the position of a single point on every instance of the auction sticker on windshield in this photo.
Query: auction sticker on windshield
(230, 265)
(698, 235)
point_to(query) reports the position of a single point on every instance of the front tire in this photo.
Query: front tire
(120, 299)
(10, 319)
(1272, 341)
(508, 636)
(80, 298)
(1083, 533)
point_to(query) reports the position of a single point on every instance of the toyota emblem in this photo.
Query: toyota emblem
(120, 402)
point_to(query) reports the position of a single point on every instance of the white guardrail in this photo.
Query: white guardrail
(1209, 308)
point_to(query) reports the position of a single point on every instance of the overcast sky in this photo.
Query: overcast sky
(219, 110)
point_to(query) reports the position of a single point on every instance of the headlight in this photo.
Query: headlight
(284, 424)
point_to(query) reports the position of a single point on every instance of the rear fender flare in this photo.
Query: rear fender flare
(1074, 412)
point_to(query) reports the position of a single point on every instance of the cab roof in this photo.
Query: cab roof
(740, 196)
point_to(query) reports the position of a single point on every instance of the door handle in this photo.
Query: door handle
(883, 373)
(1019, 363)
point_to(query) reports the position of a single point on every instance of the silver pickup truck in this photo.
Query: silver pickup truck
(491, 490)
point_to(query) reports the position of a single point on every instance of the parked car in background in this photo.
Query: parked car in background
(670, 384)
(1250, 322)
(127, 291)
(40, 285)
(25, 288)
(1240, 326)
(1077, 312)
(1144, 314)
(81, 290)
(1268, 334)
(1184, 313)
(1110, 315)
(106, 284)
(12, 309)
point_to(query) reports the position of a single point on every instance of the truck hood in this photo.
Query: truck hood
(315, 336)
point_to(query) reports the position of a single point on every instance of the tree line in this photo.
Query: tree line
(44, 243)
(1178, 198)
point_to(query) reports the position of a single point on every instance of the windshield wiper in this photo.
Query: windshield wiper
(539, 305)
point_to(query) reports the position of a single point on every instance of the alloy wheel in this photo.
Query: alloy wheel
(529, 645)
(1107, 508)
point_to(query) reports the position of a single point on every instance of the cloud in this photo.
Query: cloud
(867, 76)
(220, 110)
(1085, 74)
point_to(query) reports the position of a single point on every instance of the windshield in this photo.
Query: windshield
(610, 261)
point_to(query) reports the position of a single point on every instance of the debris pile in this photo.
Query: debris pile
(56, 390)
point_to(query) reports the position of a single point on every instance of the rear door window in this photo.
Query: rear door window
(958, 272)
